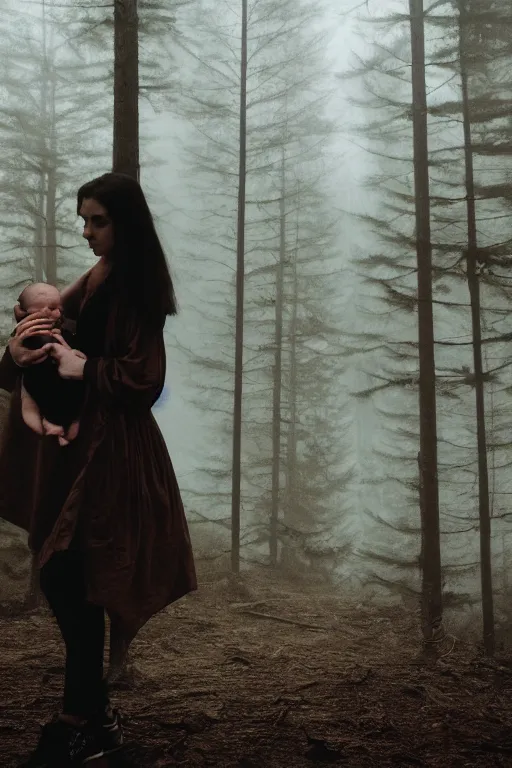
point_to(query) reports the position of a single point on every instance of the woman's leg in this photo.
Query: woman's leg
(82, 625)
(86, 729)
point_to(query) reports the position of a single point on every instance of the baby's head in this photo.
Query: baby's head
(38, 296)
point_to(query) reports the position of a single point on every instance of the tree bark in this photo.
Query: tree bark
(34, 597)
(39, 224)
(277, 378)
(39, 258)
(126, 88)
(287, 556)
(51, 190)
(431, 572)
(239, 311)
(474, 293)
(125, 160)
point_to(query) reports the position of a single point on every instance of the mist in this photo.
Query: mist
(336, 214)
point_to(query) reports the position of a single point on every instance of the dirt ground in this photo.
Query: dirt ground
(274, 676)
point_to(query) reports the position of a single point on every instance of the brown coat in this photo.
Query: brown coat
(114, 486)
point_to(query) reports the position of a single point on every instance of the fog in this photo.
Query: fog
(371, 394)
(330, 118)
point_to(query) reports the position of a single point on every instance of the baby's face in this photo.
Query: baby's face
(45, 298)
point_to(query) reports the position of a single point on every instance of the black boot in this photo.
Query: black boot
(110, 732)
(65, 745)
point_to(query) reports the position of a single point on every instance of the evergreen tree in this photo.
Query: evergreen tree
(285, 135)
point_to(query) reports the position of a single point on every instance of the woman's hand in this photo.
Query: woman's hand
(70, 361)
(37, 323)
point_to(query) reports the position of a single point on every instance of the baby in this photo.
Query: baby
(50, 405)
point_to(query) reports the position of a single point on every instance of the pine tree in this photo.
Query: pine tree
(485, 55)
(476, 51)
(44, 139)
(285, 133)
(126, 88)
(429, 498)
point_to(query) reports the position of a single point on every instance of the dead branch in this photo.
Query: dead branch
(281, 619)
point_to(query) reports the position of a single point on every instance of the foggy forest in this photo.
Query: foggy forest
(332, 183)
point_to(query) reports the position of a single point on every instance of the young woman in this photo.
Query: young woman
(104, 514)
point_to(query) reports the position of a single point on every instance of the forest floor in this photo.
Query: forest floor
(275, 675)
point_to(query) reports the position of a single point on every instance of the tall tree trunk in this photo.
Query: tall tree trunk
(33, 597)
(421, 494)
(431, 572)
(474, 293)
(39, 259)
(291, 442)
(40, 216)
(239, 312)
(277, 378)
(125, 160)
(51, 191)
(126, 88)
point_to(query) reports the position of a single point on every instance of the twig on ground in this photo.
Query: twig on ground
(271, 617)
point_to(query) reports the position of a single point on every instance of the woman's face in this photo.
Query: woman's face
(98, 229)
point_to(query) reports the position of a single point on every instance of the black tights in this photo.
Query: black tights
(82, 625)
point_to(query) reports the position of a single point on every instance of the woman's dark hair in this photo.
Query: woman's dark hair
(139, 265)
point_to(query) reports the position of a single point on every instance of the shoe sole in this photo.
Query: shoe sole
(103, 753)
(120, 745)
(107, 752)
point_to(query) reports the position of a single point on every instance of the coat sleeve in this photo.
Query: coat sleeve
(9, 372)
(135, 376)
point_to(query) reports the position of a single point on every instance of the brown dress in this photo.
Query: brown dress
(113, 489)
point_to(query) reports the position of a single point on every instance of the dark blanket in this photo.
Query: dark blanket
(59, 400)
